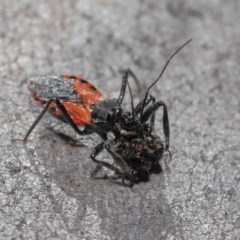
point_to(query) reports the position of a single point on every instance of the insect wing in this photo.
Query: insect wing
(46, 88)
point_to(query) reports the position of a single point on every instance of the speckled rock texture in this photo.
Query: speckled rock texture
(46, 191)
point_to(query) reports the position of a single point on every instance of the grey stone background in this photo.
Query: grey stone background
(45, 187)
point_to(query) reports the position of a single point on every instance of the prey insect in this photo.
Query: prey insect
(136, 157)
(77, 102)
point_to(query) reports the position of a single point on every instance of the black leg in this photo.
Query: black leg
(37, 120)
(69, 119)
(126, 73)
(95, 152)
(151, 110)
(65, 114)
(152, 119)
(137, 109)
(126, 170)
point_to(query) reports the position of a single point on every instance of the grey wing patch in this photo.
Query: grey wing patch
(53, 87)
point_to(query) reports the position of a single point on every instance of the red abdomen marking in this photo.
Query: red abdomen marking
(80, 114)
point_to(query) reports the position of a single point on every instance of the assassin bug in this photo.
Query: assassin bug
(77, 102)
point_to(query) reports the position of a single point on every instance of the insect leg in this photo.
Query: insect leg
(122, 164)
(151, 110)
(37, 120)
(69, 119)
(126, 73)
(96, 151)
(138, 108)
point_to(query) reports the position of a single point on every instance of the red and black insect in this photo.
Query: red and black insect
(77, 102)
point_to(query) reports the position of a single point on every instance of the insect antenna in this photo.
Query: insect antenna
(160, 75)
